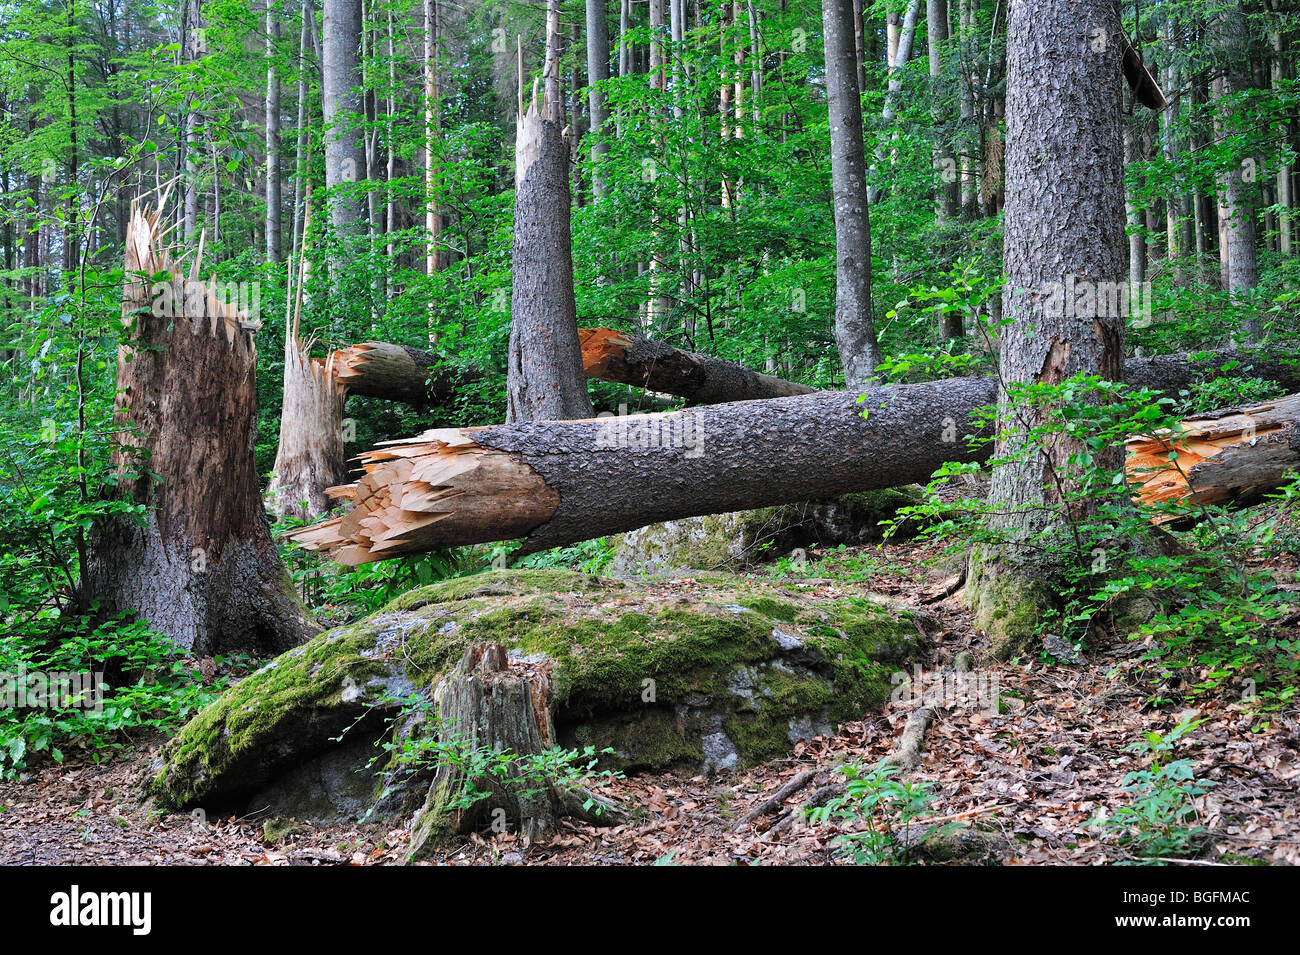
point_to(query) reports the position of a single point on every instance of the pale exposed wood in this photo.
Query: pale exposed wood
(1228, 455)
(443, 477)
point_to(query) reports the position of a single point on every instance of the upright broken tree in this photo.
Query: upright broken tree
(310, 455)
(544, 379)
(202, 567)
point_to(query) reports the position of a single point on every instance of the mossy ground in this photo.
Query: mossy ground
(649, 669)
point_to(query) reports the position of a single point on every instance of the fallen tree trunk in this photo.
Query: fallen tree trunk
(555, 483)
(399, 373)
(1233, 454)
(393, 372)
(701, 379)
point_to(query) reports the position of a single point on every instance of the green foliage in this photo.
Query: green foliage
(483, 770)
(1192, 591)
(883, 812)
(1158, 822)
(151, 689)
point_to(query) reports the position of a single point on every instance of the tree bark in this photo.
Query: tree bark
(597, 73)
(491, 703)
(273, 209)
(558, 482)
(855, 331)
(544, 379)
(203, 569)
(1064, 222)
(701, 379)
(344, 156)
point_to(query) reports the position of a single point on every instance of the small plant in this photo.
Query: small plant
(1158, 822)
(883, 811)
(483, 768)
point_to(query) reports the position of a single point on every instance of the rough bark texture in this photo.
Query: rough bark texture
(855, 331)
(488, 702)
(1232, 454)
(395, 373)
(341, 77)
(545, 379)
(597, 72)
(309, 457)
(615, 356)
(560, 482)
(1064, 224)
(203, 570)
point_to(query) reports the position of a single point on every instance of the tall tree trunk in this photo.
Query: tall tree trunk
(597, 73)
(1064, 221)
(1278, 76)
(273, 210)
(195, 47)
(936, 27)
(855, 332)
(1238, 184)
(544, 375)
(345, 158)
(203, 568)
(432, 213)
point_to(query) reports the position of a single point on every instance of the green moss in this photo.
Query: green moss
(628, 672)
(1008, 604)
(499, 583)
(773, 608)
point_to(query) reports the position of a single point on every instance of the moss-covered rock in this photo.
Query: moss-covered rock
(674, 674)
(747, 538)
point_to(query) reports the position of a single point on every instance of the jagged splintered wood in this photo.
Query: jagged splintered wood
(201, 567)
(393, 372)
(1233, 454)
(559, 482)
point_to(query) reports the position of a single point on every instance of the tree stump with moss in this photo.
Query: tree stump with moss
(492, 715)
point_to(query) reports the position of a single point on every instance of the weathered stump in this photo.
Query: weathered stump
(486, 704)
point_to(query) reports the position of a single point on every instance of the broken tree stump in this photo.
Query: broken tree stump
(488, 706)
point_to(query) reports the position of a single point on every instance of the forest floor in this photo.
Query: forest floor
(1028, 779)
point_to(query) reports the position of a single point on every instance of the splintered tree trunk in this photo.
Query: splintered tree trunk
(615, 356)
(488, 702)
(395, 373)
(310, 457)
(203, 569)
(855, 331)
(559, 482)
(1233, 454)
(1064, 222)
(544, 376)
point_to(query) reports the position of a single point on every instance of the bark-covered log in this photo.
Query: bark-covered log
(203, 568)
(1233, 454)
(616, 356)
(556, 483)
(394, 372)
(488, 704)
